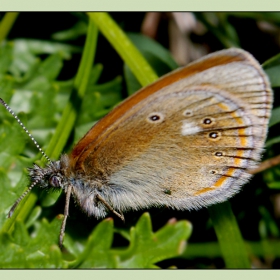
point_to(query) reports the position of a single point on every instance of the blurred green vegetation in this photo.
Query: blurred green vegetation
(38, 74)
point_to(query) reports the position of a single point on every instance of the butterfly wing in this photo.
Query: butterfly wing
(185, 141)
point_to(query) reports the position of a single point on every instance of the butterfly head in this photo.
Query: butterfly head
(52, 176)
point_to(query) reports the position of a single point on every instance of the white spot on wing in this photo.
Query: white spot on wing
(189, 128)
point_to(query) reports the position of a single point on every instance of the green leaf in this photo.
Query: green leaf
(218, 24)
(99, 98)
(272, 141)
(272, 178)
(157, 56)
(275, 116)
(147, 45)
(147, 248)
(274, 74)
(97, 252)
(25, 53)
(80, 28)
(22, 251)
(33, 217)
(51, 67)
(270, 224)
(231, 243)
(272, 69)
(6, 58)
(124, 47)
(6, 24)
(38, 47)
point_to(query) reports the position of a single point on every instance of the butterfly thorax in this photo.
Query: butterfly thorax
(59, 174)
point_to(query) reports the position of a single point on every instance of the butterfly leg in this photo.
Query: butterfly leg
(120, 215)
(66, 214)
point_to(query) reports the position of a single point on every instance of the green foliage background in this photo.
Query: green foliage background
(60, 84)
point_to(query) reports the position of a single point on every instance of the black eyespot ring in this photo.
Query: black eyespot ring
(155, 117)
(214, 135)
(207, 121)
(218, 154)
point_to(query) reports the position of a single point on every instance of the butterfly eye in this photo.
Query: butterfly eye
(54, 181)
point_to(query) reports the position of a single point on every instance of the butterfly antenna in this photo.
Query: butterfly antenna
(27, 132)
(21, 198)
